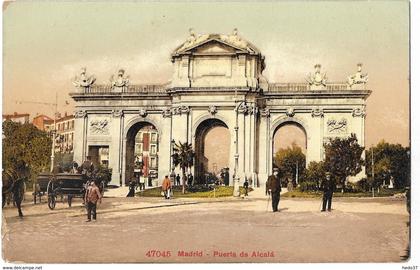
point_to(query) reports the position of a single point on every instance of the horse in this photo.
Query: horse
(13, 187)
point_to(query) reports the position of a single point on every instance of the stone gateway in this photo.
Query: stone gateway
(217, 81)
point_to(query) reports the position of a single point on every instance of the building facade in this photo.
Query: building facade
(217, 82)
(22, 118)
(42, 122)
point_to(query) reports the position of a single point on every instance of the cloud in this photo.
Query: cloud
(148, 66)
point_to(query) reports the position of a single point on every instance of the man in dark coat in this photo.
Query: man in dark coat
(246, 186)
(17, 191)
(273, 187)
(327, 186)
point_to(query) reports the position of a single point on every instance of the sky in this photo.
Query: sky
(46, 43)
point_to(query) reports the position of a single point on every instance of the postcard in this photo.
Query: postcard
(206, 132)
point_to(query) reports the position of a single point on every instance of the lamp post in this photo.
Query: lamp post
(172, 161)
(236, 188)
(373, 175)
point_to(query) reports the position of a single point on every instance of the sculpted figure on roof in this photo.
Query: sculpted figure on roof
(234, 39)
(358, 77)
(318, 78)
(192, 40)
(83, 80)
(121, 80)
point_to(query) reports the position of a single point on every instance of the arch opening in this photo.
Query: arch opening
(212, 151)
(289, 148)
(142, 147)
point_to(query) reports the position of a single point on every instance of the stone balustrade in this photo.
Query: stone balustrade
(285, 87)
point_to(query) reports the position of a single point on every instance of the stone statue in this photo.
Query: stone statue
(83, 81)
(318, 78)
(358, 78)
(234, 39)
(121, 80)
(192, 40)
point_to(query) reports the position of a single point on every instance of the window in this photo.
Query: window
(153, 149)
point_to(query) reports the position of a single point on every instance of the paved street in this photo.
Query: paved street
(208, 230)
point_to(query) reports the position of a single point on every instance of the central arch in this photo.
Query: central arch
(142, 142)
(207, 130)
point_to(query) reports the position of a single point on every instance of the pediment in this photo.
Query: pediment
(210, 46)
(214, 47)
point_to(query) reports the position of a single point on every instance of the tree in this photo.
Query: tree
(25, 146)
(287, 158)
(343, 158)
(390, 160)
(315, 173)
(183, 156)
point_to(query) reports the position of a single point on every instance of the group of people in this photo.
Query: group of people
(273, 189)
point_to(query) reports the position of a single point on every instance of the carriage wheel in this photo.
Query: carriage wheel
(51, 202)
(51, 195)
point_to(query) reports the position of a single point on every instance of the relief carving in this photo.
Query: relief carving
(359, 112)
(212, 109)
(317, 112)
(99, 126)
(337, 126)
(80, 114)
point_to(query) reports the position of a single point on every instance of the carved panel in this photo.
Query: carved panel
(337, 126)
(99, 126)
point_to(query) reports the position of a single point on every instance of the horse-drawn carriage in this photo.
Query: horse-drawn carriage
(62, 184)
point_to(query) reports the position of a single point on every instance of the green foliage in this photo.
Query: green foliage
(343, 158)
(287, 158)
(199, 192)
(313, 175)
(390, 160)
(26, 149)
(103, 173)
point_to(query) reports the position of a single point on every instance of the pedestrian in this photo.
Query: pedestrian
(178, 180)
(273, 187)
(149, 180)
(74, 168)
(142, 183)
(327, 187)
(289, 184)
(190, 180)
(166, 187)
(138, 167)
(246, 185)
(93, 195)
(131, 188)
(18, 193)
(87, 168)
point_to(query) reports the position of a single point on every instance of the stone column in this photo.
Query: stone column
(79, 140)
(115, 147)
(264, 147)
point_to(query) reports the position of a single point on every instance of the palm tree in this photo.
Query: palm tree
(183, 156)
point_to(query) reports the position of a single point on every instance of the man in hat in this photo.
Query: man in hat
(327, 186)
(273, 187)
